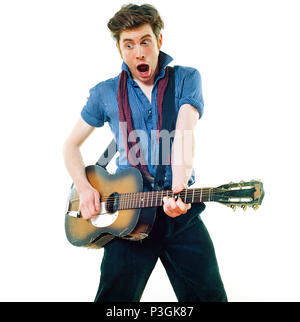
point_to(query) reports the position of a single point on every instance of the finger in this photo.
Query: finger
(172, 208)
(91, 210)
(178, 188)
(97, 202)
(82, 210)
(172, 213)
(173, 204)
(165, 199)
(169, 203)
(84, 213)
(181, 205)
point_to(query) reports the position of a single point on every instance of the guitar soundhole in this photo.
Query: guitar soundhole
(112, 203)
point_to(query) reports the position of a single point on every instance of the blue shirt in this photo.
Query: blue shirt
(102, 106)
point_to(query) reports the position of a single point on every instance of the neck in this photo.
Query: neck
(155, 198)
(147, 84)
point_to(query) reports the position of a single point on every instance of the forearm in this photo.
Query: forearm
(182, 164)
(183, 151)
(75, 165)
(89, 197)
(72, 156)
(183, 148)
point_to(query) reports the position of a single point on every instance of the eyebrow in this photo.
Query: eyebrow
(128, 39)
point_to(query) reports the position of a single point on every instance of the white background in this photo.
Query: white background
(53, 52)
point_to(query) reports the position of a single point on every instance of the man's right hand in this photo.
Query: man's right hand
(89, 204)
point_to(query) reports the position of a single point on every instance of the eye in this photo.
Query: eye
(146, 42)
(129, 45)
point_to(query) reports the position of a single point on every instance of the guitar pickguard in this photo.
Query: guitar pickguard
(104, 219)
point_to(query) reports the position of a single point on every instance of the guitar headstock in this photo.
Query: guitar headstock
(242, 194)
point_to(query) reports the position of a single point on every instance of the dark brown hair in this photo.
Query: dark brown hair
(131, 16)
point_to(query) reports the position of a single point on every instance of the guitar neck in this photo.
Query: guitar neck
(155, 198)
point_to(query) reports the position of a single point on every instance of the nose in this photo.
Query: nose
(140, 52)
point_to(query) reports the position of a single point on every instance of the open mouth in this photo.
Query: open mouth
(143, 68)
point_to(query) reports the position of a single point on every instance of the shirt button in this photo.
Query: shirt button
(150, 111)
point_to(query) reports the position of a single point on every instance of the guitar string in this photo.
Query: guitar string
(135, 196)
(152, 203)
(149, 198)
(147, 194)
(129, 200)
(189, 191)
(133, 204)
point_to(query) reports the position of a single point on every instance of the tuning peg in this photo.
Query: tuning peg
(255, 207)
(244, 207)
(233, 207)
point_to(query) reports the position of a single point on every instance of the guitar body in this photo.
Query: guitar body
(127, 211)
(133, 224)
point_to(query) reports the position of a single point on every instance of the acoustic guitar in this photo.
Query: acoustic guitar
(127, 211)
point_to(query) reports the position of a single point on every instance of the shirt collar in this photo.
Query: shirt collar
(163, 61)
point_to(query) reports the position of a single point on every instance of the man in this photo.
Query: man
(179, 237)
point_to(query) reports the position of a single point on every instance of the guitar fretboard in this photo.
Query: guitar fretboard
(155, 198)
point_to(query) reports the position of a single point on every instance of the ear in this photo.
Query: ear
(159, 41)
(119, 49)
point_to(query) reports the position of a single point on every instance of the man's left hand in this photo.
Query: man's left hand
(174, 208)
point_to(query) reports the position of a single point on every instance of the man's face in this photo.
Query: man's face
(139, 48)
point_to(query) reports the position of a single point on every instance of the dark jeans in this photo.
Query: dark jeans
(185, 250)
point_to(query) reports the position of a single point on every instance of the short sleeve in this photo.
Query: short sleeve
(191, 92)
(94, 110)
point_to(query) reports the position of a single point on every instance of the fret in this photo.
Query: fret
(193, 196)
(147, 202)
(120, 202)
(123, 201)
(136, 200)
(185, 195)
(201, 195)
(127, 201)
(152, 199)
(209, 194)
